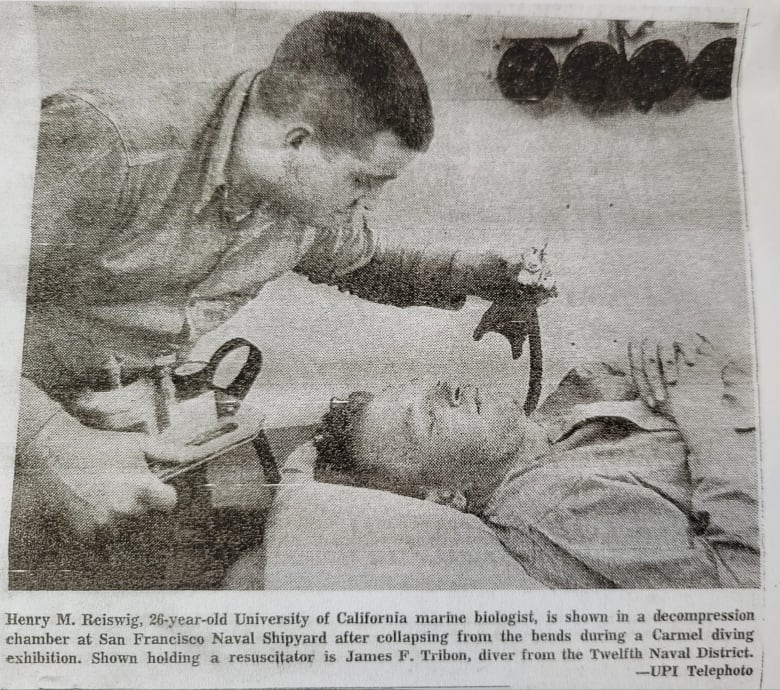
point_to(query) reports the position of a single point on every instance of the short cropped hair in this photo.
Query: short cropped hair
(335, 436)
(335, 57)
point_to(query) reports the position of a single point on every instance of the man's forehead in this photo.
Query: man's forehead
(404, 389)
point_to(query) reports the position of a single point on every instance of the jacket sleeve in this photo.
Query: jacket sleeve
(355, 260)
(80, 181)
(80, 189)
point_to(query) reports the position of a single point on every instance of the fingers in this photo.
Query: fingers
(155, 495)
(704, 346)
(533, 268)
(639, 375)
(736, 374)
(684, 352)
(137, 496)
(651, 362)
(680, 362)
(646, 371)
(701, 359)
(121, 409)
(488, 321)
(667, 357)
(445, 497)
(653, 367)
(120, 502)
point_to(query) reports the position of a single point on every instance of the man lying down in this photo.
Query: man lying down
(642, 477)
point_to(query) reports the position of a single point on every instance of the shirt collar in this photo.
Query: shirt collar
(632, 411)
(223, 129)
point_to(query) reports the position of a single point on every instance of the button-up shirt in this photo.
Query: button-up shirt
(135, 249)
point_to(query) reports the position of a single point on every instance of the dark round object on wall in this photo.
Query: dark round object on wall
(527, 72)
(589, 73)
(710, 73)
(655, 71)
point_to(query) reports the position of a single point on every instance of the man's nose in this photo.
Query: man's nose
(362, 202)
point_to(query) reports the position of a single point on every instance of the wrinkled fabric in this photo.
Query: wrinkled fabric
(325, 536)
(618, 500)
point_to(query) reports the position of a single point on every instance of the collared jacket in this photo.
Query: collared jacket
(135, 251)
(619, 501)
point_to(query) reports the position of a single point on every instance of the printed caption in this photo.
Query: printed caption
(661, 643)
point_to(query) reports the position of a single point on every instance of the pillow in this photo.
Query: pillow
(330, 537)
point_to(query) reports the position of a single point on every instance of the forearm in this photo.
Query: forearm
(484, 275)
(354, 258)
(435, 277)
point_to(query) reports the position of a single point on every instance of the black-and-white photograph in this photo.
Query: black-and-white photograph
(329, 300)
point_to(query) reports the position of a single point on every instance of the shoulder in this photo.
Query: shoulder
(151, 122)
(73, 138)
(70, 121)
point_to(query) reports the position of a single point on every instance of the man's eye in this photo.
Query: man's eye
(454, 396)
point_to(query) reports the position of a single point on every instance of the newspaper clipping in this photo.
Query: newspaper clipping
(385, 346)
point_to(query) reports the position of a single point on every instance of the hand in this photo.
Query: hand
(519, 287)
(702, 389)
(184, 444)
(533, 268)
(511, 273)
(128, 408)
(514, 318)
(90, 478)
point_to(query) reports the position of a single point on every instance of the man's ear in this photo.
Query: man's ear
(297, 134)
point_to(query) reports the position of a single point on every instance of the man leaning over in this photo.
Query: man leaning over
(157, 215)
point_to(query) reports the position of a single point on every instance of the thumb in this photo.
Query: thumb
(486, 323)
(157, 495)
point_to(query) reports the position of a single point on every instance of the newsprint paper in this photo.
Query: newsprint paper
(389, 345)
